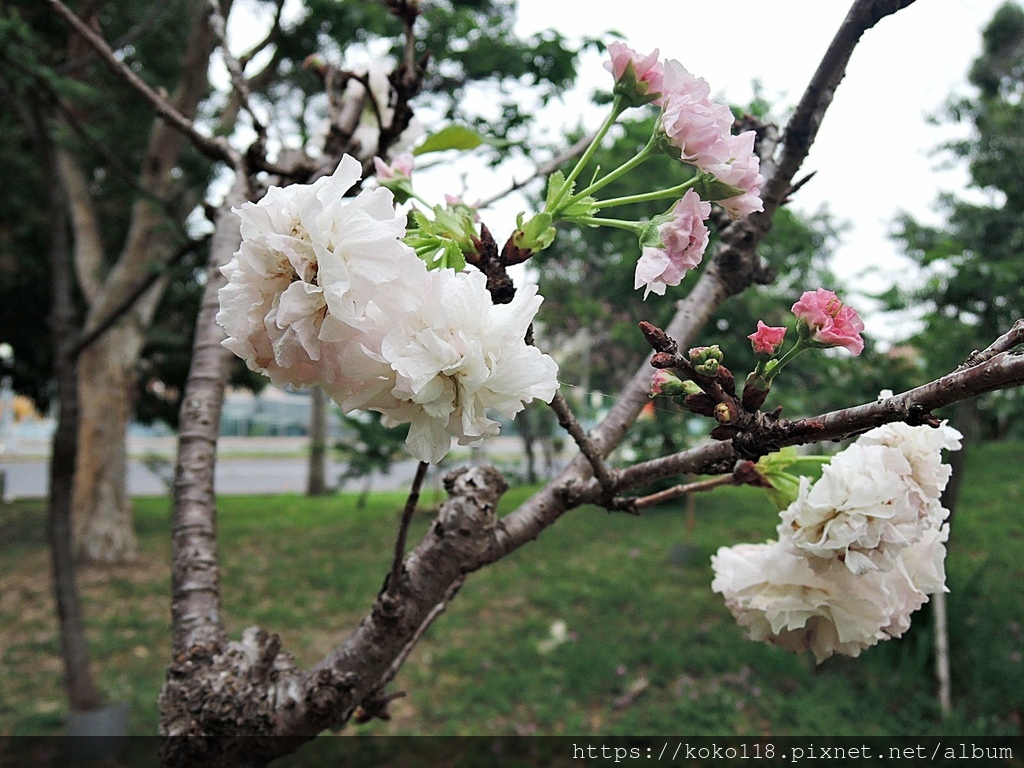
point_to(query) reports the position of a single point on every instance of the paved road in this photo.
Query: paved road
(25, 466)
(27, 478)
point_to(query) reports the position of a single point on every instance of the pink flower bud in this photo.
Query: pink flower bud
(825, 321)
(665, 383)
(401, 167)
(637, 78)
(767, 339)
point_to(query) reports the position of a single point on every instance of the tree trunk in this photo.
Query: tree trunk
(317, 482)
(81, 688)
(103, 527)
(965, 418)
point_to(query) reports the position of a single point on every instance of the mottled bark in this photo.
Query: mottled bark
(195, 585)
(103, 526)
(247, 689)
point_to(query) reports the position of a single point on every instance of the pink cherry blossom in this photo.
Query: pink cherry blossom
(738, 168)
(830, 322)
(648, 71)
(767, 339)
(677, 248)
(694, 124)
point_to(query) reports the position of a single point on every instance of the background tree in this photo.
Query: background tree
(132, 183)
(973, 273)
(127, 207)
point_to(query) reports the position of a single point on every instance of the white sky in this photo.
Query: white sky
(875, 154)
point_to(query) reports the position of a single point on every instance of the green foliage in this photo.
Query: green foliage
(371, 447)
(456, 137)
(633, 592)
(973, 285)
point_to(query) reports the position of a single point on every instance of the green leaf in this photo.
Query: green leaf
(457, 137)
(556, 184)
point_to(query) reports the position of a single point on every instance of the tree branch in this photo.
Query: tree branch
(684, 489)
(915, 406)
(567, 420)
(403, 526)
(116, 313)
(238, 81)
(88, 245)
(213, 147)
(544, 169)
(195, 580)
(1012, 338)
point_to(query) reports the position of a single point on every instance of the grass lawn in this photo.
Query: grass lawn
(648, 649)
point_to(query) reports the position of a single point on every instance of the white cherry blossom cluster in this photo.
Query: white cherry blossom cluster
(873, 500)
(858, 551)
(323, 291)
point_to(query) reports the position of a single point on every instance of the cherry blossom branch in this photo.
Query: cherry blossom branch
(567, 420)
(728, 273)
(467, 534)
(684, 489)
(803, 125)
(403, 526)
(1002, 371)
(1012, 338)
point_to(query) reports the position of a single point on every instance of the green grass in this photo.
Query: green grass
(633, 593)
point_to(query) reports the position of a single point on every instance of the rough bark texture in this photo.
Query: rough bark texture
(241, 690)
(195, 587)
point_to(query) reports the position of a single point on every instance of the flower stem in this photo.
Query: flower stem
(618, 107)
(594, 221)
(672, 192)
(619, 172)
(795, 350)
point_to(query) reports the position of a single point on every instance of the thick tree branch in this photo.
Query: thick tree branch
(1009, 340)
(131, 297)
(88, 244)
(195, 582)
